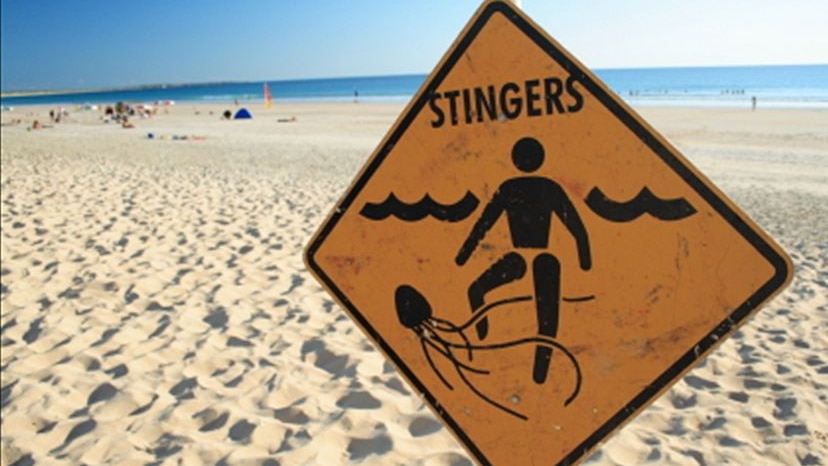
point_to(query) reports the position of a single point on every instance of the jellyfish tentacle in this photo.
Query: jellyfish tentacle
(483, 311)
(445, 325)
(442, 336)
(460, 368)
(448, 326)
(450, 356)
(485, 397)
(542, 340)
(424, 344)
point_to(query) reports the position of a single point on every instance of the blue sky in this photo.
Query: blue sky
(95, 43)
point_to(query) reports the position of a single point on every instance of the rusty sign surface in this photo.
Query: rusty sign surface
(535, 259)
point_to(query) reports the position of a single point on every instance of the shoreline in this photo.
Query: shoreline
(403, 100)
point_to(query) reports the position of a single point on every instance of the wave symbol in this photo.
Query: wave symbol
(421, 209)
(644, 203)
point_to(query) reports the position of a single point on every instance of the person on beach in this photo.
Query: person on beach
(753, 103)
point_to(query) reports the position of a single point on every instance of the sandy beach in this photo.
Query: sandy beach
(156, 308)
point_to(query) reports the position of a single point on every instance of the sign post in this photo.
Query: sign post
(537, 261)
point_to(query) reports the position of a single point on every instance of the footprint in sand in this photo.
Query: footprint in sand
(359, 448)
(422, 426)
(241, 431)
(79, 430)
(358, 400)
(291, 415)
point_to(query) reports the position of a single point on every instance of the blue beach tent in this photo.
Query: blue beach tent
(242, 114)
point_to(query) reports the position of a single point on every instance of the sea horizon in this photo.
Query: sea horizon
(160, 85)
(797, 85)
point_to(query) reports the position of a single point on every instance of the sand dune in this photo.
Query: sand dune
(156, 309)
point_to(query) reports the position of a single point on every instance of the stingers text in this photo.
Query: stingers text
(532, 98)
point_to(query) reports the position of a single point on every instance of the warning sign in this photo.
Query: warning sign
(534, 258)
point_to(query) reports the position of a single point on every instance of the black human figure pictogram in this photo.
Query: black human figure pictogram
(528, 202)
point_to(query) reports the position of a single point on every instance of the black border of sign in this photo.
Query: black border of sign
(780, 277)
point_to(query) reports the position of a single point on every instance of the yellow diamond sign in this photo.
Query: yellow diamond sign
(535, 259)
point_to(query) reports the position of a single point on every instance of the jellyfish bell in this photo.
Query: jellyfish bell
(412, 307)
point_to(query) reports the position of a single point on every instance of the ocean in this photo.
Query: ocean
(795, 86)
